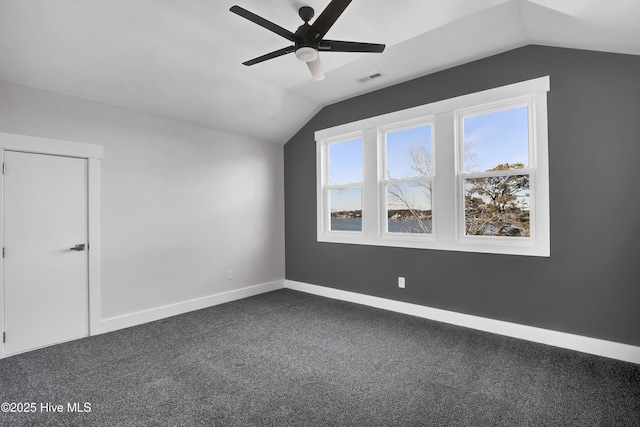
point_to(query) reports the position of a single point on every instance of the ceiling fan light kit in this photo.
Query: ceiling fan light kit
(308, 40)
(306, 54)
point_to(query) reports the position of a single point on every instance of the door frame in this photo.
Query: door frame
(94, 154)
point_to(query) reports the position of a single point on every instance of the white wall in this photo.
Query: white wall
(181, 204)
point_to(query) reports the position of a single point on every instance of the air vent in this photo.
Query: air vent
(369, 77)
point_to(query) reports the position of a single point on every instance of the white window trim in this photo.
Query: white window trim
(530, 102)
(324, 211)
(448, 220)
(383, 180)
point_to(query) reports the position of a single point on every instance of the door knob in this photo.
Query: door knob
(78, 247)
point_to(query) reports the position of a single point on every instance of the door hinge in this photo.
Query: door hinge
(4, 337)
(4, 168)
(2, 252)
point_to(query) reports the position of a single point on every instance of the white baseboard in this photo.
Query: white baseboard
(614, 350)
(145, 316)
(599, 347)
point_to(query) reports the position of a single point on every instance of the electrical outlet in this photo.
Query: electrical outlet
(401, 282)
(229, 274)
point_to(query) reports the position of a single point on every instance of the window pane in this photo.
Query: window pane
(346, 209)
(497, 141)
(345, 162)
(409, 153)
(409, 207)
(497, 206)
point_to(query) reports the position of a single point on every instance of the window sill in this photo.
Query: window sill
(521, 247)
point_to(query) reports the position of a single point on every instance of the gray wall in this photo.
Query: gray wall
(591, 283)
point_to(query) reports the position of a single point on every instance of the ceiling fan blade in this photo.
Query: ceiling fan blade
(263, 23)
(270, 55)
(316, 69)
(328, 17)
(342, 46)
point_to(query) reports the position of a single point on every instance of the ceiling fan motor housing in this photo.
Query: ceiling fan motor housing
(306, 44)
(306, 13)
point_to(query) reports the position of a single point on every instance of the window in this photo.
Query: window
(408, 182)
(467, 174)
(344, 189)
(496, 171)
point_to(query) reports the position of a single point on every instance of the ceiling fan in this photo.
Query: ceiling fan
(308, 39)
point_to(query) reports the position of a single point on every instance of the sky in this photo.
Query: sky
(500, 137)
(345, 162)
(492, 139)
(397, 145)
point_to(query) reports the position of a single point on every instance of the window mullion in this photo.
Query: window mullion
(370, 196)
(408, 180)
(343, 186)
(444, 194)
(506, 172)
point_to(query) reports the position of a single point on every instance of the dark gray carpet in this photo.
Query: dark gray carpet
(292, 359)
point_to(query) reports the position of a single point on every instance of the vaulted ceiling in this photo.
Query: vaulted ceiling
(183, 59)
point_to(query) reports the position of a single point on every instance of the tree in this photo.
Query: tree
(494, 205)
(421, 162)
(422, 165)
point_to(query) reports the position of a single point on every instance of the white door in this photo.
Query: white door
(45, 259)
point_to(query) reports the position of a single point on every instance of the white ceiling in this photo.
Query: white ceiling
(183, 59)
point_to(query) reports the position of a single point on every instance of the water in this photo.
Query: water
(343, 224)
(396, 226)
